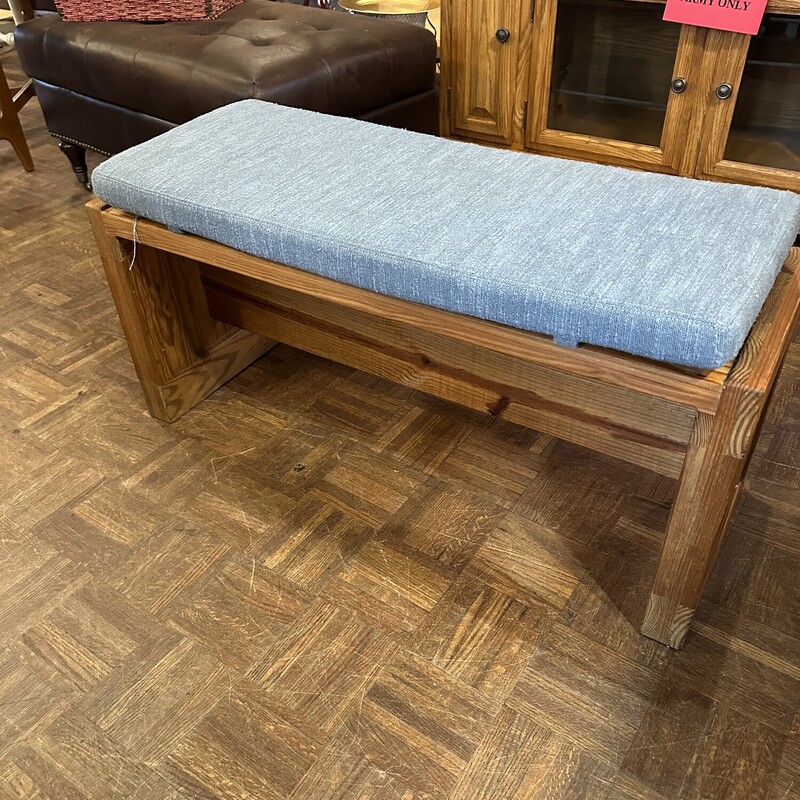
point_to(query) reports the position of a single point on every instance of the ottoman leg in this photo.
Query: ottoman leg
(77, 157)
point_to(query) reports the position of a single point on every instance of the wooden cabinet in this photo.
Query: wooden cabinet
(485, 65)
(609, 81)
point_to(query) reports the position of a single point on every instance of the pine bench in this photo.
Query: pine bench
(195, 312)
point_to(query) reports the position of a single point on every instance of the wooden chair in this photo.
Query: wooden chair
(12, 101)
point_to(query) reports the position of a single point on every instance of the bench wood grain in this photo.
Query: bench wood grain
(195, 313)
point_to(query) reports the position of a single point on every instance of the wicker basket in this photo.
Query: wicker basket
(141, 10)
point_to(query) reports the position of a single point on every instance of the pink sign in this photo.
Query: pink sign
(740, 16)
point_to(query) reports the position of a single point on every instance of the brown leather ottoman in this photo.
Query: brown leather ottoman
(109, 86)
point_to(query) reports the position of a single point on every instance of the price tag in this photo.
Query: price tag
(739, 16)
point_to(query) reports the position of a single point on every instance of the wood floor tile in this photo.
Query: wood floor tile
(627, 788)
(78, 355)
(763, 644)
(240, 506)
(738, 678)
(176, 473)
(27, 704)
(33, 581)
(11, 536)
(289, 380)
(225, 757)
(73, 758)
(324, 665)
(342, 774)
(24, 452)
(124, 614)
(778, 466)
(495, 460)
(311, 543)
(771, 512)
(574, 502)
(482, 637)
(586, 693)
(787, 779)
(531, 563)
(755, 577)
(243, 610)
(419, 724)
(447, 523)
(29, 389)
(85, 637)
(423, 440)
(354, 411)
(736, 759)
(31, 500)
(521, 760)
(82, 542)
(170, 685)
(608, 605)
(367, 487)
(302, 453)
(119, 515)
(390, 585)
(773, 597)
(75, 643)
(116, 441)
(227, 422)
(665, 745)
(182, 565)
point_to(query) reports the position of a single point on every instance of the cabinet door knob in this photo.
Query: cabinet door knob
(724, 91)
(678, 85)
(503, 35)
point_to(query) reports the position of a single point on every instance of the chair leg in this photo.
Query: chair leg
(77, 157)
(10, 127)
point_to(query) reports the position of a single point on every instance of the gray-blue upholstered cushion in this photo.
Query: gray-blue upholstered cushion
(659, 266)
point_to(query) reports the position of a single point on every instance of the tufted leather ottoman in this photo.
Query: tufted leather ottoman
(109, 86)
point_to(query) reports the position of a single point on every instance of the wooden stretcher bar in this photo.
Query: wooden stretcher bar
(195, 313)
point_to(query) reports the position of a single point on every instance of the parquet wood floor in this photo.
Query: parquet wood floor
(319, 586)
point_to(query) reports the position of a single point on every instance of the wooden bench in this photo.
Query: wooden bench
(195, 313)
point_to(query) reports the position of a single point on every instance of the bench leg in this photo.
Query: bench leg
(180, 353)
(715, 463)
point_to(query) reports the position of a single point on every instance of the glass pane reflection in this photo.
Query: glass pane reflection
(766, 123)
(612, 65)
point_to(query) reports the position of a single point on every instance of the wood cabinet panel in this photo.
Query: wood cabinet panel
(483, 70)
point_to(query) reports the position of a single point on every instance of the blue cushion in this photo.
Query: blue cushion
(664, 267)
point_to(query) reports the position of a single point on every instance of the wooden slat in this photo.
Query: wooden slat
(617, 369)
(585, 397)
(430, 373)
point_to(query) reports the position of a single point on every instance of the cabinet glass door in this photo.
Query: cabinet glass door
(609, 66)
(754, 133)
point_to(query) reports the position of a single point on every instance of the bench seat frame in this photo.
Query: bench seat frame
(195, 313)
